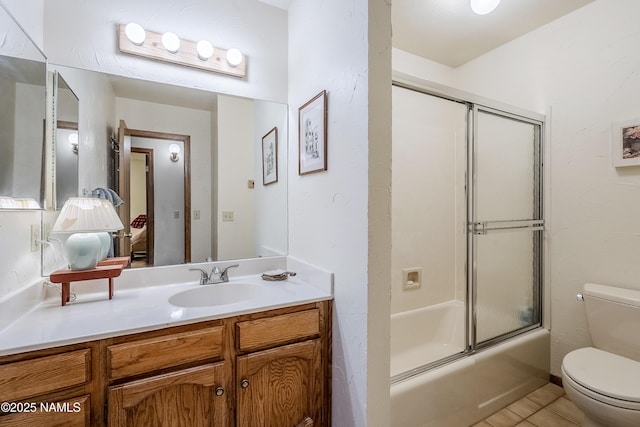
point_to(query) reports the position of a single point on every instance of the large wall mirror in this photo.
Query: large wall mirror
(23, 79)
(187, 165)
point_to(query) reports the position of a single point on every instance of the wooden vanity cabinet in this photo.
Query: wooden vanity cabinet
(282, 368)
(266, 369)
(171, 377)
(189, 397)
(280, 386)
(53, 387)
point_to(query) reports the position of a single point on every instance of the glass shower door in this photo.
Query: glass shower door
(505, 228)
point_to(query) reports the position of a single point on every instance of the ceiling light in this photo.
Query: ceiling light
(135, 33)
(483, 7)
(234, 57)
(171, 42)
(204, 49)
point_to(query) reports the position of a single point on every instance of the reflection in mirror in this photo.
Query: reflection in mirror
(65, 139)
(22, 118)
(231, 214)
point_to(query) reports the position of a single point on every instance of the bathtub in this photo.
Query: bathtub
(425, 335)
(468, 389)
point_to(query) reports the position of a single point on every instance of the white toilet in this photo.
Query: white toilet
(604, 380)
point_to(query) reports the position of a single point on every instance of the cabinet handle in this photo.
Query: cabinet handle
(219, 391)
(244, 383)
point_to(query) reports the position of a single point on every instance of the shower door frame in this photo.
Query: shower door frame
(535, 224)
(474, 105)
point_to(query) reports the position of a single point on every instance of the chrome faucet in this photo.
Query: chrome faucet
(216, 275)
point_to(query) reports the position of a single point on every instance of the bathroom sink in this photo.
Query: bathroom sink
(218, 294)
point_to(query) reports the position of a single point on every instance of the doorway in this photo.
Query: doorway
(141, 207)
(167, 217)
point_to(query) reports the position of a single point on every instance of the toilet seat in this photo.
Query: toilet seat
(604, 376)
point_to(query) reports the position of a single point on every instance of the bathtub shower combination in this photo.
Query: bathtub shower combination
(466, 324)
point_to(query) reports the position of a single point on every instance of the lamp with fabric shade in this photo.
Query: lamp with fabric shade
(88, 220)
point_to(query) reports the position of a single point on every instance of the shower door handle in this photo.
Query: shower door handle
(483, 227)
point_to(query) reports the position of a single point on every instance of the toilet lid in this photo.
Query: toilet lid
(605, 373)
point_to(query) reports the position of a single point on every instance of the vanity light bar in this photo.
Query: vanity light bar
(187, 54)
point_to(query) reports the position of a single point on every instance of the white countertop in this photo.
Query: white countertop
(137, 309)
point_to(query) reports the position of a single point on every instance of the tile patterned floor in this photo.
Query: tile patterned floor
(545, 407)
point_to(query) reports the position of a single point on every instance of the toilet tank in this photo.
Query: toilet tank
(613, 315)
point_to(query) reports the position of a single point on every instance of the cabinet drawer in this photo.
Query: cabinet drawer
(69, 413)
(29, 378)
(152, 354)
(261, 333)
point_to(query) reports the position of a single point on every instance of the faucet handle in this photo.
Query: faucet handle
(224, 274)
(204, 277)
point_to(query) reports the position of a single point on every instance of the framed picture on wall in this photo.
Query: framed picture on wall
(270, 157)
(312, 135)
(625, 143)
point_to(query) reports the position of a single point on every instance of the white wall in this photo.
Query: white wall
(344, 48)
(428, 206)
(258, 30)
(29, 137)
(582, 70)
(271, 200)
(138, 191)
(30, 16)
(183, 121)
(236, 166)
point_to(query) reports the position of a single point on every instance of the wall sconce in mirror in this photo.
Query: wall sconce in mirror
(168, 47)
(73, 140)
(174, 150)
(88, 220)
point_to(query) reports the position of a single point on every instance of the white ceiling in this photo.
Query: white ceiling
(449, 32)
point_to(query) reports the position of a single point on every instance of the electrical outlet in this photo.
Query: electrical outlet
(227, 216)
(411, 278)
(176, 214)
(196, 214)
(35, 237)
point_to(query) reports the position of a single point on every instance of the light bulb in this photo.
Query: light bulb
(174, 150)
(171, 42)
(483, 7)
(234, 57)
(204, 49)
(135, 33)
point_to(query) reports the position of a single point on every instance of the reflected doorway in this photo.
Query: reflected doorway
(141, 207)
(167, 215)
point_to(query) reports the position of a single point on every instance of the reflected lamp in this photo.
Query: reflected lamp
(89, 222)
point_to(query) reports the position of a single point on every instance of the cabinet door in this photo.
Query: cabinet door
(281, 386)
(74, 412)
(194, 397)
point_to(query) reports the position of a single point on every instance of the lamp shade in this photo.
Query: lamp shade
(86, 215)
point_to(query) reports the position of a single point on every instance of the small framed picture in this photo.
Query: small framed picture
(270, 157)
(312, 135)
(626, 143)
